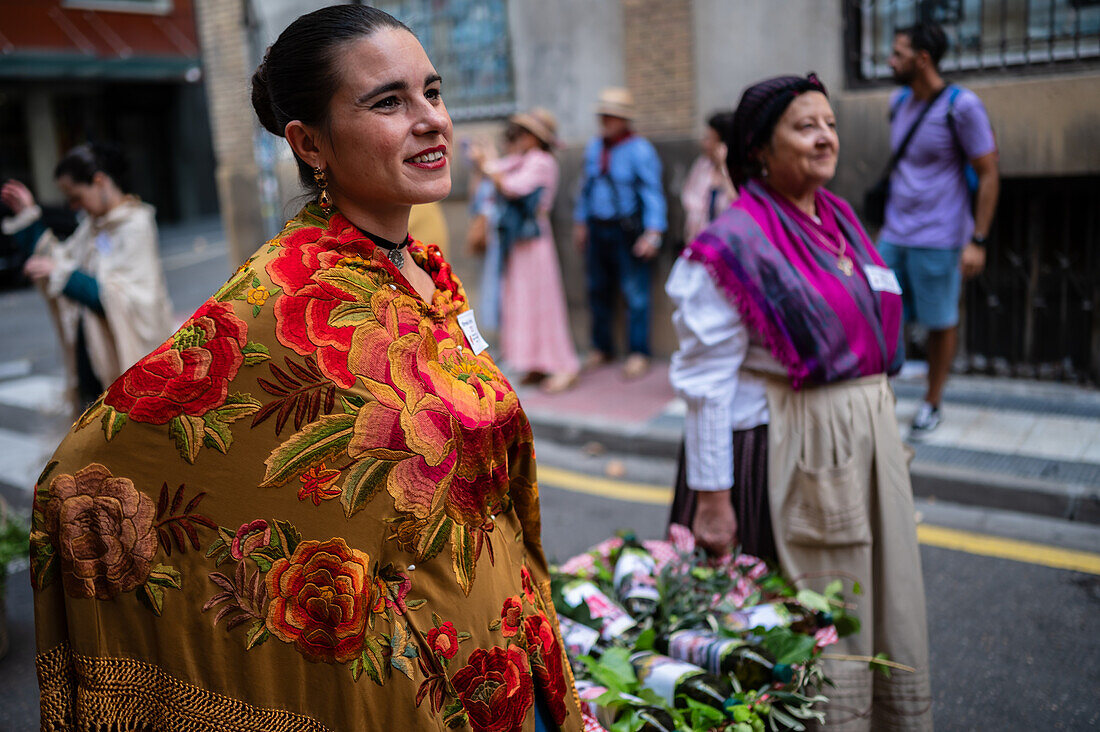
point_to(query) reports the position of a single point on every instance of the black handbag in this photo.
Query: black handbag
(874, 199)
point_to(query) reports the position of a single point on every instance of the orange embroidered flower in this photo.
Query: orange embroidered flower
(320, 600)
(317, 484)
(511, 616)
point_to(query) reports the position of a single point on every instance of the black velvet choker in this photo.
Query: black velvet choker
(393, 248)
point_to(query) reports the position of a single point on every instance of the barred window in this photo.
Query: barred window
(469, 43)
(983, 34)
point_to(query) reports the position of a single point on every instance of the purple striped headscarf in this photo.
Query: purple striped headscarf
(822, 325)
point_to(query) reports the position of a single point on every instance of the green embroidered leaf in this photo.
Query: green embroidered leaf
(436, 620)
(415, 604)
(359, 284)
(188, 433)
(257, 634)
(371, 661)
(352, 404)
(463, 557)
(152, 596)
(463, 636)
(216, 423)
(112, 422)
(289, 537)
(495, 625)
(43, 492)
(254, 352)
(237, 285)
(166, 576)
(433, 536)
(255, 314)
(454, 715)
(255, 281)
(43, 559)
(90, 414)
(363, 481)
(261, 561)
(319, 441)
(402, 649)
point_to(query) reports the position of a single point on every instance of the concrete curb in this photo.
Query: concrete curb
(931, 480)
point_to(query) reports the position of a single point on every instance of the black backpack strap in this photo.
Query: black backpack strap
(912, 131)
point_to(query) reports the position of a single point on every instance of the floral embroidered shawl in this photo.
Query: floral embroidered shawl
(312, 508)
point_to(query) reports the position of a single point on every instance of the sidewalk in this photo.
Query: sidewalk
(1025, 446)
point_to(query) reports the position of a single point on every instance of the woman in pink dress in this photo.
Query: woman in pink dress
(535, 336)
(707, 190)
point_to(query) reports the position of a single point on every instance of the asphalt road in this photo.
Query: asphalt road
(1015, 644)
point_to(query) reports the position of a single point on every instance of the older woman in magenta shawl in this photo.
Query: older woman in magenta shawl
(789, 325)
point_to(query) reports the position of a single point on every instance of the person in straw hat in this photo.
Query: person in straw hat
(535, 335)
(618, 222)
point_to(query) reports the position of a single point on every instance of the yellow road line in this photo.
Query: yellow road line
(1020, 551)
(617, 489)
(963, 541)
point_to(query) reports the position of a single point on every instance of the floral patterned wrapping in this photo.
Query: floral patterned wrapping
(313, 507)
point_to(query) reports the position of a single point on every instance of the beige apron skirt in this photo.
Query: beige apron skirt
(842, 507)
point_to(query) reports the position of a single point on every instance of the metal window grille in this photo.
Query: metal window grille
(468, 41)
(983, 34)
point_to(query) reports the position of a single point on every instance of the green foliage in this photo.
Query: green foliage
(14, 541)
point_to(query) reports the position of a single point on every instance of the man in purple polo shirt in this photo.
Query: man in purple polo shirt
(931, 238)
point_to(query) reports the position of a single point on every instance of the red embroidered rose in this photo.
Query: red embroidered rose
(546, 661)
(189, 373)
(495, 689)
(303, 311)
(320, 600)
(444, 640)
(528, 584)
(250, 537)
(510, 616)
(102, 529)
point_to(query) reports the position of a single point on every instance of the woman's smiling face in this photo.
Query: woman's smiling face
(387, 142)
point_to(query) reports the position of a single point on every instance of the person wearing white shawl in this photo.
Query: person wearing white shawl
(104, 284)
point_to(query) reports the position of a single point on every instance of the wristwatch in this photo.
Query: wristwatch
(978, 240)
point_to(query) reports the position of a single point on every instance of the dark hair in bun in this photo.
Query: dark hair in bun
(84, 161)
(300, 74)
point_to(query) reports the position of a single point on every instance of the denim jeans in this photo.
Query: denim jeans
(612, 267)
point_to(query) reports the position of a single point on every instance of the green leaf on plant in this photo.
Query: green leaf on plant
(813, 600)
(882, 668)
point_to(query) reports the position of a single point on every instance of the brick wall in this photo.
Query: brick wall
(227, 72)
(660, 67)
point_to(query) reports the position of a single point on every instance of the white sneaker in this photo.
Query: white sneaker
(927, 419)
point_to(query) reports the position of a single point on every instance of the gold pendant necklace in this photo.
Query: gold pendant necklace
(843, 262)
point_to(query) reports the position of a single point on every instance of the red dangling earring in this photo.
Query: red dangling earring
(321, 180)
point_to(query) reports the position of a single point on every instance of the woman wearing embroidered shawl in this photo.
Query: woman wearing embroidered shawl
(789, 325)
(314, 507)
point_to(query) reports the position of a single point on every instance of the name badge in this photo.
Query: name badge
(473, 336)
(882, 279)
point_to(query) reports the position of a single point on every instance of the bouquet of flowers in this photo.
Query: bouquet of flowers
(663, 638)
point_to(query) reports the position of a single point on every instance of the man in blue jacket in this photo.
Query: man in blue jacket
(618, 222)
